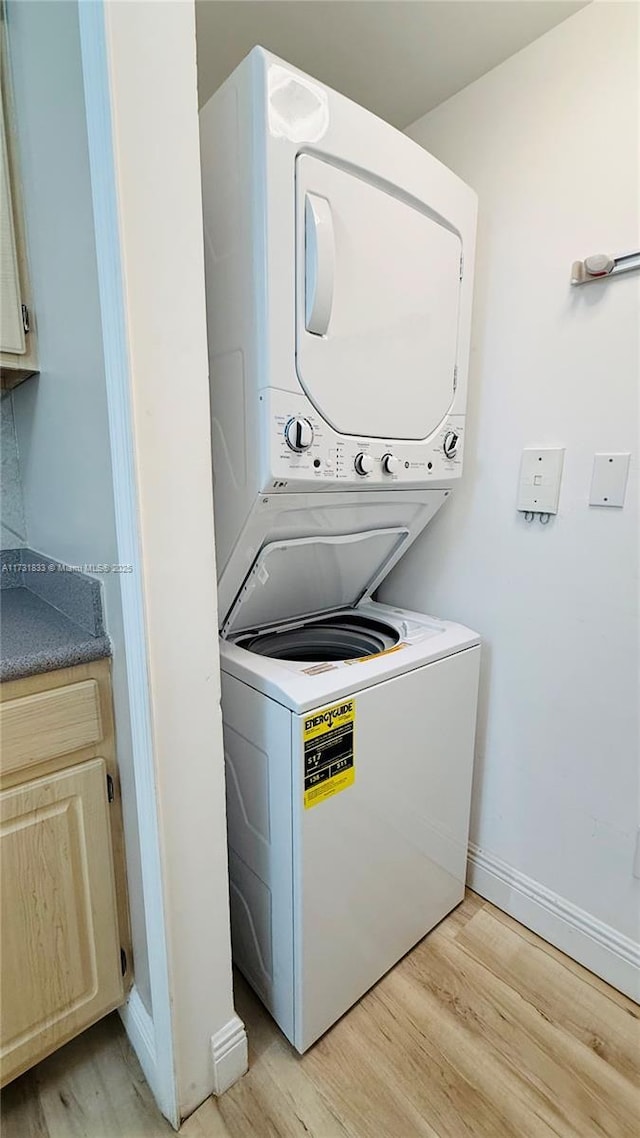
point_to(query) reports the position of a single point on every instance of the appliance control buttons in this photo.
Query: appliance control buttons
(298, 434)
(364, 463)
(391, 464)
(450, 444)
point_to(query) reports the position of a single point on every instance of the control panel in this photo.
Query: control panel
(304, 450)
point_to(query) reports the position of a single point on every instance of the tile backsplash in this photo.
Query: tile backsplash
(14, 530)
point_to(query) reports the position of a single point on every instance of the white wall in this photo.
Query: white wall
(61, 416)
(549, 140)
(146, 175)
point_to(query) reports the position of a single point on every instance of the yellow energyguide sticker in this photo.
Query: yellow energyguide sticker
(328, 749)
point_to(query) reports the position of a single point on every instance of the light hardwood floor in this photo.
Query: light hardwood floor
(482, 1031)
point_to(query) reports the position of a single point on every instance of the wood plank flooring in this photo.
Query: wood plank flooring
(483, 1031)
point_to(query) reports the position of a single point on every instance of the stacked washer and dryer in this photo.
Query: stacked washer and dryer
(339, 260)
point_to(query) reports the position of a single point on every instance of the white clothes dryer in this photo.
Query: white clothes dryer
(339, 262)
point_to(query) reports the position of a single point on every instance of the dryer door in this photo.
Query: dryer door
(378, 286)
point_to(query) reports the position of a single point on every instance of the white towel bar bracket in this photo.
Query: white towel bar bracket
(598, 266)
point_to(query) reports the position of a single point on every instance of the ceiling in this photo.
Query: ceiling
(398, 58)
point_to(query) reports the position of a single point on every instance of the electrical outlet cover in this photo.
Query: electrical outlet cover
(609, 479)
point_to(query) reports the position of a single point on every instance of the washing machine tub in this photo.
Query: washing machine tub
(340, 636)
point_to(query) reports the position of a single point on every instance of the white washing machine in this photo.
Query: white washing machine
(339, 259)
(349, 752)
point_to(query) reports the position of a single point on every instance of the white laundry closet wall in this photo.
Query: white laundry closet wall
(549, 140)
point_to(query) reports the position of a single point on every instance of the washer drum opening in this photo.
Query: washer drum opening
(340, 637)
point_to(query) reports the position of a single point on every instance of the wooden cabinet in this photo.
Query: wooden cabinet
(63, 924)
(60, 951)
(18, 349)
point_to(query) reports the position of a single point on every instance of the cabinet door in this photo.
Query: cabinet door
(60, 945)
(18, 352)
(11, 327)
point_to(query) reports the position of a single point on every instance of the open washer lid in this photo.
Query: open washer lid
(307, 576)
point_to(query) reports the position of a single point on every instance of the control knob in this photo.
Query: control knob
(450, 444)
(390, 464)
(364, 463)
(298, 434)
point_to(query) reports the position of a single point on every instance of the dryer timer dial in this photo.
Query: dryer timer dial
(298, 434)
(450, 444)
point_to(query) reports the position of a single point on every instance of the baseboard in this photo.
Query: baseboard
(138, 1025)
(599, 947)
(230, 1055)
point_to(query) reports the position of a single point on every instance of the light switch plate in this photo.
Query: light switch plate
(540, 477)
(609, 479)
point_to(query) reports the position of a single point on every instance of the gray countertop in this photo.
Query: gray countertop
(49, 618)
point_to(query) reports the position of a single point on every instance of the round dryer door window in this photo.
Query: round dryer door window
(378, 292)
(344, 636)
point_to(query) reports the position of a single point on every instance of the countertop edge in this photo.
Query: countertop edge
(39, 663)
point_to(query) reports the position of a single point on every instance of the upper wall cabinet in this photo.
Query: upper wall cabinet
(18, 350)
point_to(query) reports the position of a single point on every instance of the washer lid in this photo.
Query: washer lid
(310, 575)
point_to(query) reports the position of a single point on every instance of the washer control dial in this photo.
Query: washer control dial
(391, 464)
(450, 444)
(298, 434)
(364, 463)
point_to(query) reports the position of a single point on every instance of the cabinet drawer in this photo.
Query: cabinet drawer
(46, 724)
